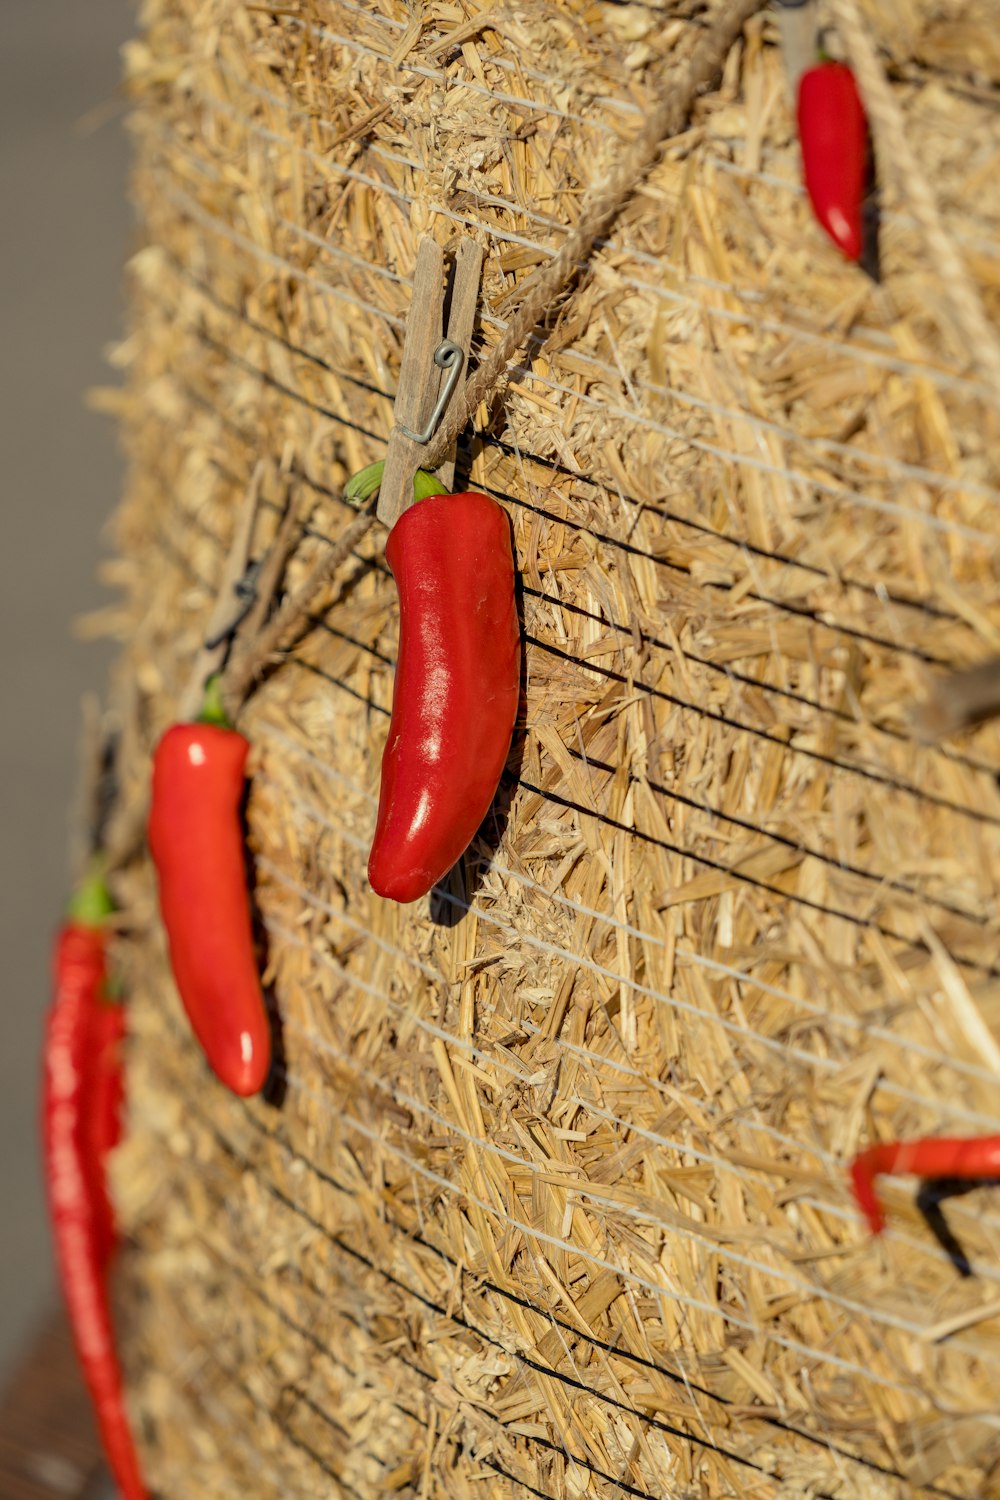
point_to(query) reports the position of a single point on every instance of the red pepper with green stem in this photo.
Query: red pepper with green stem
(81, 1121)
(456, 689)
(944, 1157)
(197, 843)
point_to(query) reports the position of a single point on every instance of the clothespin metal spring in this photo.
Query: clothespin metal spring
(447, 356)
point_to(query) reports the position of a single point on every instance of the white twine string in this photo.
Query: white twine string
(739, 1031)
(790, 185)
(587, 1193)
(931, 372)
(556, 1242)
(739, 459)
(860, 1026)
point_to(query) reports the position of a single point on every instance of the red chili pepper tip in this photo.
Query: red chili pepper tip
(196, 840)
(455, 695)
(833, 135)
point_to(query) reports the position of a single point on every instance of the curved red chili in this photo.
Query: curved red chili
(833, 134)
(942, 1157)
(196, 840)
(83, 1075)
(455, 695)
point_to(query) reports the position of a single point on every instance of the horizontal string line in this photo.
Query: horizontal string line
(601, 1062)
(784, 606)
(944, 379)
(813, 1290)
(622, 106)
(654, 1424)
(742, 544)
(736, 1029)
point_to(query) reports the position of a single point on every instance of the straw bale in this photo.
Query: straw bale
(553, 1201)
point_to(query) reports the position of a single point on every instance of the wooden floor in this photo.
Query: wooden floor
(48, 1444)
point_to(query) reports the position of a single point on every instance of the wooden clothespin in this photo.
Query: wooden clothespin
(435, 355)
(960, 700)
(798, 23)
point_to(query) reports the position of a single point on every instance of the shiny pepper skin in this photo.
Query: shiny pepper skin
(833, 135)
(196, 840)
(456, 690)
(105, 1108)
(82, 1080)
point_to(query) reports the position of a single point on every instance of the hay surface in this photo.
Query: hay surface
(554, 1202)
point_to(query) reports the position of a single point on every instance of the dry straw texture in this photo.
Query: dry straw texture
(554, 1202)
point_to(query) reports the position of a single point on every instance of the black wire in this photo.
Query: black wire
(868, 773)
(724, 670)
(785, 606)
(864, 773)
(554, 466)
(632, 682)
(740, 877)
(806, 850)
(855, 768)
(655, 1423)
(731, 872)
(574, 1333)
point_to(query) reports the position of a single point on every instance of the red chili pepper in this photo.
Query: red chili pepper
(833, 134)
(81, 1075)
(105, 1107)
(945, 1157)
(455, 696)
(196, 840)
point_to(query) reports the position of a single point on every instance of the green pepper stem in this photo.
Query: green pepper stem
(363, 485)
(425, 485)
(212, 710)
(91, 902)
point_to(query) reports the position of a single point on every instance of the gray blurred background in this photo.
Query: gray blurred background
(66, 230)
